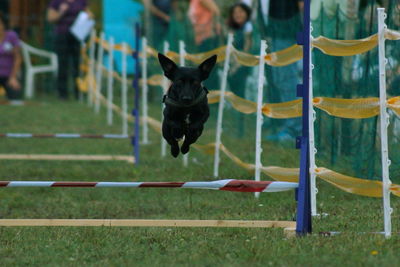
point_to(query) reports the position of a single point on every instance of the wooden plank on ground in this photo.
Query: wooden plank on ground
(148, 223)
(129, 159)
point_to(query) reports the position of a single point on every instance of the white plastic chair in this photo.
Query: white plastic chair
(31, 70)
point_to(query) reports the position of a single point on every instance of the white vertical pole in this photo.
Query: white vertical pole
(124, 91)
(99, 72)
(91, 67)
(164, 91)
(145, 129)
(182, 54)
(221, 104)
(313, 150)
(384, 122)
(260, 93)
(110, 81)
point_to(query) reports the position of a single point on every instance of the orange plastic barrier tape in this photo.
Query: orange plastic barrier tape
(358, 108)
(354, 185)
(285, 57)
(245, 59)
(346, 183)
(238, 103)
(348, 108)
(345, 47)
(394, 104)
(199, 58)
(155, 80)
(392, 35)
(290, 109)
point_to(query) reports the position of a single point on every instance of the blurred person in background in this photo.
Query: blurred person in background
(10, 60)
(280, 21)
(160, 19)
(63, 14)
(205, 16)
(239, 24)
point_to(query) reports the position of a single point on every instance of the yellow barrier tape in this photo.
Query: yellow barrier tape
(392, 35)
(346, 183)
(355, 185)
(276, 173)
(279, 58)
(345, 47)
(290, 109)
(358, 108)
(200, 57)
(117, 47)
(245, 58)
(285, 57)
(394, 104)
(2, 91)
(240, 104)
(84, 83)
(348, 108)
(155, 80)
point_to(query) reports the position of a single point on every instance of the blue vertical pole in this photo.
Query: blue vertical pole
(303, 219)
(135, 110)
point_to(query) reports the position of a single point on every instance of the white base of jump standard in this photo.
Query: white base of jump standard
(129, 159)
(288, 226)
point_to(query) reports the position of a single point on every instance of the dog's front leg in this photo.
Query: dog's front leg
(168, 134)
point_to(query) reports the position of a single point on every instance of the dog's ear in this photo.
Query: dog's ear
(207, 66)
(168, 66)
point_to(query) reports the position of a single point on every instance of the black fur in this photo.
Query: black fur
(186, 107)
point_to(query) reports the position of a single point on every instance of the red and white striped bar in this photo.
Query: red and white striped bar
(64, 135)
(225, 185)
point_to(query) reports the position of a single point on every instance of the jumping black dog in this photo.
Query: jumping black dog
(186, 107)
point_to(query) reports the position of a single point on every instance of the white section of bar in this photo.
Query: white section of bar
(67, 135)
(19, 135)
(384, 122)
(110, 81)
(259, 122)
(164, 91)
(207, 185)
(30, 184)
(280, 186)
(182, 54)
(124, 91)
(99, 73)
(145, 89)
(115, 136)
(221, 105)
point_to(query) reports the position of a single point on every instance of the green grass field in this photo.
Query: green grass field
(104, 246)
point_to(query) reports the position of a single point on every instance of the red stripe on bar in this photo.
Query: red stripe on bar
(4, 184)
(162, 184)
(2, 135)
(245, 186)
(74, 184)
